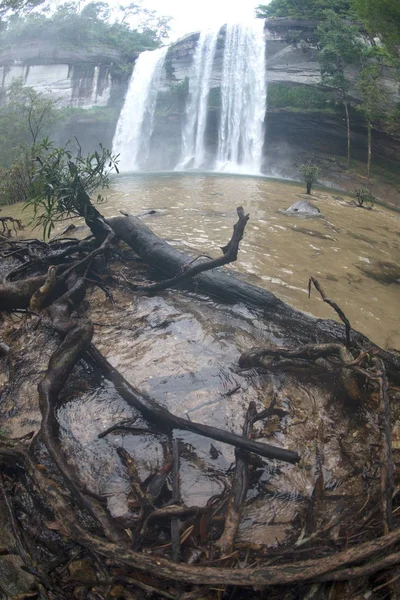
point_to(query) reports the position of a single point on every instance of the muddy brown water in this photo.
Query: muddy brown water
(354, 253)
(183, 350)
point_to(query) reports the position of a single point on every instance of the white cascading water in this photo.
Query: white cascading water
(136, 121)
(193, 154)
(243, 99)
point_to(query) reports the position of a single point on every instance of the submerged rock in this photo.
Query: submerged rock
(303, 208)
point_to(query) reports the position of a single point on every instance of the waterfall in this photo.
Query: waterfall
(243, 99)
(237, 128)
(136, 121)
(193, 153)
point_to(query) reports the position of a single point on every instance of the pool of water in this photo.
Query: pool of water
(354, 253)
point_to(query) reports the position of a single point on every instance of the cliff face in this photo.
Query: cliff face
(291, 57)
(83, 78)
(74, 77)
(305, 130)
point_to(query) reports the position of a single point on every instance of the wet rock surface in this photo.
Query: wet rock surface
(303, 208)
(184, 352)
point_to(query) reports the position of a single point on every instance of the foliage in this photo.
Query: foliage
(6, 6)
(374, 98)
(298, 97)
(309, 173)
(302, 9)
(382, 17)
(173, 100)
(25, 117)
(364, 195)
(63, 179)
(392, 122)
(101, 114)
(91, 26)
(340, 46)
(16, 180)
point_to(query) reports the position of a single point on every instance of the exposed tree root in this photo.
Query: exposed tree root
(114, 545)
(9, 224)
(239, 489)
(295, 325)
(331, 568)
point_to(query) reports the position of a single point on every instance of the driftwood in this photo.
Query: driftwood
(165, 420)
(229, 254)
(297, 327)
(107, 540)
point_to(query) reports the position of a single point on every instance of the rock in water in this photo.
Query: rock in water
(303, 208)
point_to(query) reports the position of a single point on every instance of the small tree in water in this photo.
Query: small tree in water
(309, 174)
(364, 196)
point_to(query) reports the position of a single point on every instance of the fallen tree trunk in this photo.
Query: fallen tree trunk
(298, 327)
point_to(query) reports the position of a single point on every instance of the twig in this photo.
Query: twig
(141, 496)
(328, 568)
(239, 488)
(387, 469)
(175, 523)
(335, 307)
(23, 553)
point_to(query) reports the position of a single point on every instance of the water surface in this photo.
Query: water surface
(354, 253)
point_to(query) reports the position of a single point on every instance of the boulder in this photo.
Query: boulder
(303, 208)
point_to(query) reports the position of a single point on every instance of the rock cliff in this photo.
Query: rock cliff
(84, 78)
(75, 77)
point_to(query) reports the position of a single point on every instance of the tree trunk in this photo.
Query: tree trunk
(291, 325)
(308, 188)
(369, 126)
(346, 107)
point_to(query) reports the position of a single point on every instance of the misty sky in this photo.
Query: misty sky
(192, 15)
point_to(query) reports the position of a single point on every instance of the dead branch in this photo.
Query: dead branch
(229, 254)
(309, 352)
(335, 307)
(26, 557)
(387, 468)
(330, 568)
(77, 335)
(155, 413)
(239, 488)
(16, 225)
(175, 523)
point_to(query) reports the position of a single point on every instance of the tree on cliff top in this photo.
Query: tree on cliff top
(130, 29)
(14, 6)
(302, 9)
(382, 17)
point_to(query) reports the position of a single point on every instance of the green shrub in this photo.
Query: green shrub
(16, 180)
(300, 97)
(363, 196)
